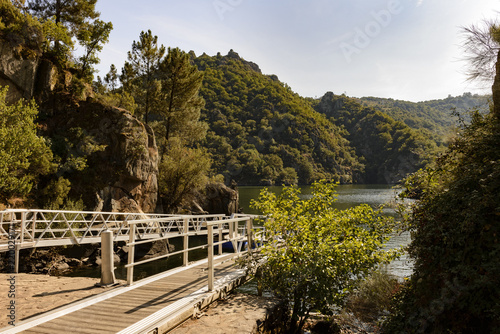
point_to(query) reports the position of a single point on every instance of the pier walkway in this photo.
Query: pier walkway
(151, 305)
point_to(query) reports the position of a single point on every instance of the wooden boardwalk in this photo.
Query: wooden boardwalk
(152, 305)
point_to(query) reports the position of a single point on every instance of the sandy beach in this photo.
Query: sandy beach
(34, 294)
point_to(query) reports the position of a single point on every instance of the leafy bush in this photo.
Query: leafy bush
(315, 254)
(455, 287)
(24, 156)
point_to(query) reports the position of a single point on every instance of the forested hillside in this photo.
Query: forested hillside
(261, 132)
(436, 116)
(390, 149)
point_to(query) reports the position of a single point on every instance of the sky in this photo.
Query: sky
(402, 49)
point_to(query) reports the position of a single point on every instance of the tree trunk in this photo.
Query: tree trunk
(496, 89)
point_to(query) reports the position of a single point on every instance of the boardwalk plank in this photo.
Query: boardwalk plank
(134, 304)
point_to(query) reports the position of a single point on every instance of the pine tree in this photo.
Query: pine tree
(80, 20)
(92, 37)
(111, 77)
(143, 62)
(71, 13)
(179, 103)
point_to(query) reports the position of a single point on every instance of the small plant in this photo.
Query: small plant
(370, 302)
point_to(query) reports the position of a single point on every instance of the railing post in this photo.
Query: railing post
(107, 262)
(210, 237)
(221, 238)
(249, 234)
(231, 236)
(186, 242)
(35, 214)
(131, 249)
(16, 259)
(23, 225)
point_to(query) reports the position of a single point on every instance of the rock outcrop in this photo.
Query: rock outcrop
(220, 199)
(125, 173)
(121, 177)
(17, 73)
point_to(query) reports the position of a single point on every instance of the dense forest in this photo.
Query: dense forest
(261, 132)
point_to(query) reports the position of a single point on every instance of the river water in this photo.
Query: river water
(348, 196)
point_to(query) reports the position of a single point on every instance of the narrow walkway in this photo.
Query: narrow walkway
(158, 302)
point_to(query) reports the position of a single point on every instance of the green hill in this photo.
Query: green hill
(435, 116)
(261, 132)
(390, 149)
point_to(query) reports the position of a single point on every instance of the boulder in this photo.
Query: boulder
(123, 175)
(220, 198)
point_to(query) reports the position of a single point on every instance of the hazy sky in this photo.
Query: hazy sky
(404, 49)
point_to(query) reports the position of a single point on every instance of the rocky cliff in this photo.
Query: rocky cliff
(17, 73)
(122, 176)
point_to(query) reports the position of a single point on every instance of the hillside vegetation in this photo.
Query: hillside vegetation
(434, 116)
(261, 132)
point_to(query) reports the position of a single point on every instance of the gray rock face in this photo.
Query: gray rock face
(123, 177)
(128, 167)
(220, 199)
(17, 73)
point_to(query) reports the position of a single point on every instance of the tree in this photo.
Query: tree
(73, 14)
(111, 77)
(73, 19)
(92, 37)
(482, 52)
(183, 172)
(184, 168)
(316, 254)
(138, 74)
(24, 156)
(455, 229)
(179, 103)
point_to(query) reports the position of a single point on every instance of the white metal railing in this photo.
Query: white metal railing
(42, 228)
(22, 228)
(224, 228)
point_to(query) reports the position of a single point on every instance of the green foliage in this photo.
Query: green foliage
(55, 196)
(177, 102)
(24, 156)
(259, 130)
(390, 149)
(455, 245)
(24, 33)
(315, 254)
(370, 301)
(434, 117)
(138, 74)
(92, 36)
(65, 20)
(182, 173)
